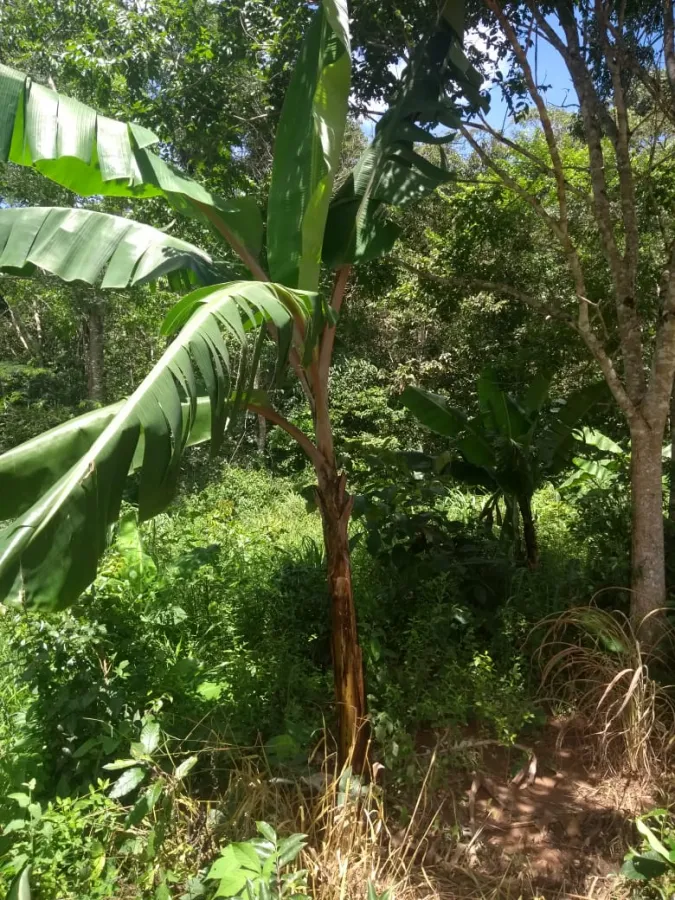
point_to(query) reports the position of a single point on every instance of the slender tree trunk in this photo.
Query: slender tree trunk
(33, 347)
(529, 532)
(671, 496)
(94, 332)
(261, 421)
(335, 506)
(648, 563)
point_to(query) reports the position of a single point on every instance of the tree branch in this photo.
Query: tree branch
(485, 126)
(495, 287)
(544, 117)
(298, 436)
(669, 48)
(511, 183)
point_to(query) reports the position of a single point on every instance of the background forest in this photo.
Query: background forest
(485, 456)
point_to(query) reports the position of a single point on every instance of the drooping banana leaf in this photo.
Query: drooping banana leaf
(307, 148)
(49, 555)
(593, 438)
(93, 155)
(391, 172)
(79, 244)
(29, 470)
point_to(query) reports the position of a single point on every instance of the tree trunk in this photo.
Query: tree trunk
(648, 578)
(335, 505)
(529, 532)
(94, 330)
(671, 495)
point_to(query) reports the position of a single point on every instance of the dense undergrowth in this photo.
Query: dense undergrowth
(215, 632)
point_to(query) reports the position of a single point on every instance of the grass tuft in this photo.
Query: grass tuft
(593, 666)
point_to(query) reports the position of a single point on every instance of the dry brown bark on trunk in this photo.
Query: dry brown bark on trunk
(335, 506)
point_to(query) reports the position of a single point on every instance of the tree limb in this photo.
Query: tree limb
(298, 436)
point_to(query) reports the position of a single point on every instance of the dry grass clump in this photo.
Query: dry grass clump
(593, 665)
(351, 843)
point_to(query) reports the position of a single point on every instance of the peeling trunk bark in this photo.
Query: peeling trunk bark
(529, 532)
(335, 506)
(648, 579)
(94, 332)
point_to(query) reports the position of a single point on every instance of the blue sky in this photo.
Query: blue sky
(549, 69)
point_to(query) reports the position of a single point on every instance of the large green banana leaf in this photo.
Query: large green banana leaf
(307, 148)
(29, 470)
(434, 411)
(91, 246)
(500, 412)
(49, 555)
(92, 155)
(502, 439)
(391, 172)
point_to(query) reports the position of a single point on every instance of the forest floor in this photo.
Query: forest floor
(550, 826)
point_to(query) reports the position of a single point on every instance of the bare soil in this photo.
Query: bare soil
(562, 835)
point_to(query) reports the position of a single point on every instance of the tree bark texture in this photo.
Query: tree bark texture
(648, 549)
(335, 506)
(95, 362)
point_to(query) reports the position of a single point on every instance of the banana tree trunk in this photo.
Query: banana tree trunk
(335, 505)
(529, 531)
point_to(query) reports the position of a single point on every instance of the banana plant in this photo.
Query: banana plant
(506, 448)
(63, 490)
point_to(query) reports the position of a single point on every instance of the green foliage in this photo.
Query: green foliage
(149, 431)
(506, 448)
(255, 869)
(307, 148)
(65, 843)
(654, 861)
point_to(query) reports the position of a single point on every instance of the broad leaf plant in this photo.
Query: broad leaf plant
(63, 490)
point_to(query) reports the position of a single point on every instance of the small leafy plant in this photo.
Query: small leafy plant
(254, 870)
(656, 856)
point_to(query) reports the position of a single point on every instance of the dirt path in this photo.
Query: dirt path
(563, 835)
